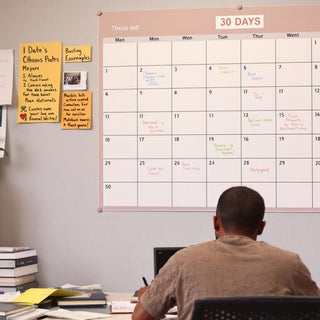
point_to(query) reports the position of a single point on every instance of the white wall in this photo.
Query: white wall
(49, 183)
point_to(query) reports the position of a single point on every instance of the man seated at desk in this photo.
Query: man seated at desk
(233, 265)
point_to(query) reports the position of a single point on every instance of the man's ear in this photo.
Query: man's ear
(261, 228)
(216, 223)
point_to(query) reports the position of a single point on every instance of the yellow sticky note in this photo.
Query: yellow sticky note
(76, 110)
(37, 295)
(77, 54)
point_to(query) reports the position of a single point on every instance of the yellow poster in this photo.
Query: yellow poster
(76, 110)
(39, 82)
(77, 54)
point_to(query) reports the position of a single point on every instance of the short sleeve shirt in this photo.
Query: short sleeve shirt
(230, 266)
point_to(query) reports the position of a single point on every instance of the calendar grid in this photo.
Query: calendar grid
(200, 127)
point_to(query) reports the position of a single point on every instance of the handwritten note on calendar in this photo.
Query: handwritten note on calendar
(190, 109)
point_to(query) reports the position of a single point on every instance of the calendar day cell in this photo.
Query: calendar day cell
(113, 194)
(223, 146)
(258, 170)
(316, 122)
(189, 170)
(223, 75)
(316, 198)
(316, 49)
(293, 74)
(258, 146)
(119, 170)
(258, 122)
(189, 123)
(154, 146)
(316, 170)
(120, 100)
(154, 123)
(267, 191)
(119, 123)
(294, 146)
(258, 98)
(223, 122)
(189, 146)
(189, 195)
(255, 75)
(154, 53)
(316, 73)
(189, 99)
(294, 195)
(119, 147)
(293, 122)
(293, 98)
(258, 50)
(316, 146)
(316, 98)
(188, 52)
(223, 51)
(215, 189)
(294, 170)
(154, 170)
(119, 78)
(120, 54)
(154, 194)
(293, 50)
(154, 77)
(223, 170)
(154, 100)
(189, 76)
(223, 99)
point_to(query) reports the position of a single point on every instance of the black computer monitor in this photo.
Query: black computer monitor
(162, 255)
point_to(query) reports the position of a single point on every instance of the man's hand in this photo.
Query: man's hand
(142, 290)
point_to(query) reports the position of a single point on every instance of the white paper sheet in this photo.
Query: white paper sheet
(3, 125)
(6, 76)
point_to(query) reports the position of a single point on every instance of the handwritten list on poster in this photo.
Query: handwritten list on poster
(76, 110)
(39, 82)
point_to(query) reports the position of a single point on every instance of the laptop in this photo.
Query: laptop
(162, 255)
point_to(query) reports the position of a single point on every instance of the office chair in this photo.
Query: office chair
(257, 308)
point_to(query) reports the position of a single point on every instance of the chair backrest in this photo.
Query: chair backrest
(258, 308)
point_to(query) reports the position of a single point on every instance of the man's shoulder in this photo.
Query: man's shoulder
(277, 251)
(259, 245)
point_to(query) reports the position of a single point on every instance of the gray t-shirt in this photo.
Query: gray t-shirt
(230, 266)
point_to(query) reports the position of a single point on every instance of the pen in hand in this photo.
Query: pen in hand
(145, 281)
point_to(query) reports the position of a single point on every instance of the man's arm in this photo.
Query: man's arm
(139, 312)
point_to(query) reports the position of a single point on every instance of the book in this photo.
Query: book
(18, 272)
(20, 262)
(87, 297)
(42, 296)
(18, 254)
(122, 307)
(20, 287)
(134, 298)
(7, 308)
(15, 281)
(33, 313)
(13, 249)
